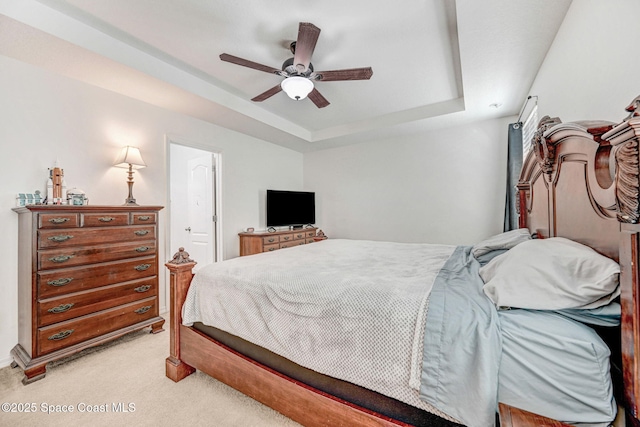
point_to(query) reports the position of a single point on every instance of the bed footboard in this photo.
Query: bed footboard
(180, 270)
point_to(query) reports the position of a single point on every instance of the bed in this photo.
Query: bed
(438, 335)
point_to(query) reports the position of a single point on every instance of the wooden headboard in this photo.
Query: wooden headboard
(581, 181)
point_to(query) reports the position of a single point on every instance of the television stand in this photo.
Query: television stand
(257, 242)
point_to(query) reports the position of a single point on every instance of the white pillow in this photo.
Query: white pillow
(506, 240)
(551, 274)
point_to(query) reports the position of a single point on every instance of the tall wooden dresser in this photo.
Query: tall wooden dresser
(86, 275)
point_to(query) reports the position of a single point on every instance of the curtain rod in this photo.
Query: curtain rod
(525, 104)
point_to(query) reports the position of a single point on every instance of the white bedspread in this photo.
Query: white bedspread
(353, 310)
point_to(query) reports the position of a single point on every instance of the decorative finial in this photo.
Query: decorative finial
(633, 108)
(544, 150)
(181, 257)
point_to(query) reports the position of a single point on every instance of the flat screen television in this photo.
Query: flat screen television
(292, 208)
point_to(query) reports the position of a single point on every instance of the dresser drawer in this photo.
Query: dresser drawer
(138, 218)
(269, 240)
(310, 241)
(68, 257)
(310, 234)
(78, 304)
(54, 220)
(291, 243)
(88, 236)
(271, 248)
(286, 237)
(67, 280)
(64, 334)
(299, 235)
(105, 219)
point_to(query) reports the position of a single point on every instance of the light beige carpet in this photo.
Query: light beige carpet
(128, 373)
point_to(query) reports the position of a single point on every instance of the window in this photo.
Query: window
(528, 130)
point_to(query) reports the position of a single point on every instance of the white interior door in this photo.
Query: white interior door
(200, 208)
(194, 202)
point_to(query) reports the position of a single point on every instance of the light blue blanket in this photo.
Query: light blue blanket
(462, 344)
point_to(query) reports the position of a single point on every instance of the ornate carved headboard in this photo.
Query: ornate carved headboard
(581, 181)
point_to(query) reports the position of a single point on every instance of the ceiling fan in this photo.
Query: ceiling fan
(298, 71)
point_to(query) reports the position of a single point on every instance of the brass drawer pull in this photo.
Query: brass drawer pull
(142, 267)
(286, 237)
(141, 232)
(299, 236)
(144, 218)
(271, 249)
(61, 258)
(60, 282)
(143, 310)
(58, 220)
(143, 288)
(61, 308)
(271, 240)
(106, 219)
(60, 238)
(142, 249)
(61, 335)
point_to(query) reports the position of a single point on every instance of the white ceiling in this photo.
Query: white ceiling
(435, 62)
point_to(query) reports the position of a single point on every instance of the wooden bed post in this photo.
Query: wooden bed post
(626, 136)
(630, 302)
(180, 270)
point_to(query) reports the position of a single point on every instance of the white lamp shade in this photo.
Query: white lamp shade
(130, 156)
(297, 87)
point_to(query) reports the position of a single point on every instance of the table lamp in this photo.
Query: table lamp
(131, 158)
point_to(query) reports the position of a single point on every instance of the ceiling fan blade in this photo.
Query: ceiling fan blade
(307, 38)
(317, 98)
(348, 74)
(250, 64)
(267, 94)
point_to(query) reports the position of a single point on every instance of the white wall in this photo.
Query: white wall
(444, 186)
(447, 186)
(591, 71)
(47, 117)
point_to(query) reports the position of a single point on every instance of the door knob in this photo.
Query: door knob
(188, 229)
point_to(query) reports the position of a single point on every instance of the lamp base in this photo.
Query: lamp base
(130, 201)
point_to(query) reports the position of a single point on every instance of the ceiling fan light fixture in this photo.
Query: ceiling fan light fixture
(297, 87)
(299, 75)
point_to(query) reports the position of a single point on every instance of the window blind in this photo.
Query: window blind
(528, 130)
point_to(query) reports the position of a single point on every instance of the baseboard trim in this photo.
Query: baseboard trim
(6, 361)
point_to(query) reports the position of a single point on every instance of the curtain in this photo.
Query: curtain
(514, 164)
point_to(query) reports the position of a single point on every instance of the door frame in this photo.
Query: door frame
(217, 189)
